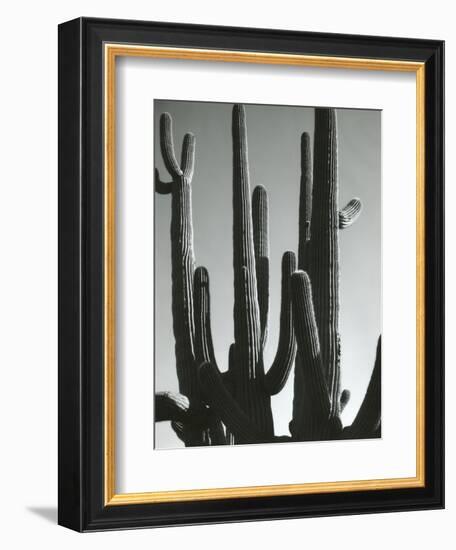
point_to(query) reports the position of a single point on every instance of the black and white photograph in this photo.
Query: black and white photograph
(224, 255)
(267, 254)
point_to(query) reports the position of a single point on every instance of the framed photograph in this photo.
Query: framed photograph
(251, 314)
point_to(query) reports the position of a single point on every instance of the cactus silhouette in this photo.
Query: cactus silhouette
(318, 401)
(215, 408)
(188, 337)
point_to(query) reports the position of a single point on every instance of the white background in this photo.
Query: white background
(28, 289)
(139, 467)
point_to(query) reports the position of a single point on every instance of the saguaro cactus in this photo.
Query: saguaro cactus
(251, 388)
(241, 397)
(183, 275)
(318, 401)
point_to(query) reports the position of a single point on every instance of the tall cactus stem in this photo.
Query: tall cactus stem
(322, 256)
(182, 272)
(182, 265)
(249, 368)
(246, 309)
(167, 145)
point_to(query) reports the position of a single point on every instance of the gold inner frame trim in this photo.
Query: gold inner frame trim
(111, 52)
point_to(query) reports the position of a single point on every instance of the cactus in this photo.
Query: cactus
(247, 402)
(318, 401)
(184, 282)
(235, 406)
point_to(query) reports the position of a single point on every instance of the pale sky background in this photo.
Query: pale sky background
(274, 134)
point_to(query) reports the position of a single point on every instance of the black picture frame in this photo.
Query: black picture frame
(81, 429)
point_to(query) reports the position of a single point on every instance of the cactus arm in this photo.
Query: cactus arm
(367, 421)
(171, 406)
(162, 187)
(167, 145)
(344, 399)
(204, 349)
(187, 420)
(261, 245)
(350, 213)
(175, 407)
(315, 406)
(277, 375)
(225, 406)
(188, 156)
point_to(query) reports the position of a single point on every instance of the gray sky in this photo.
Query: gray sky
(274, 157)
